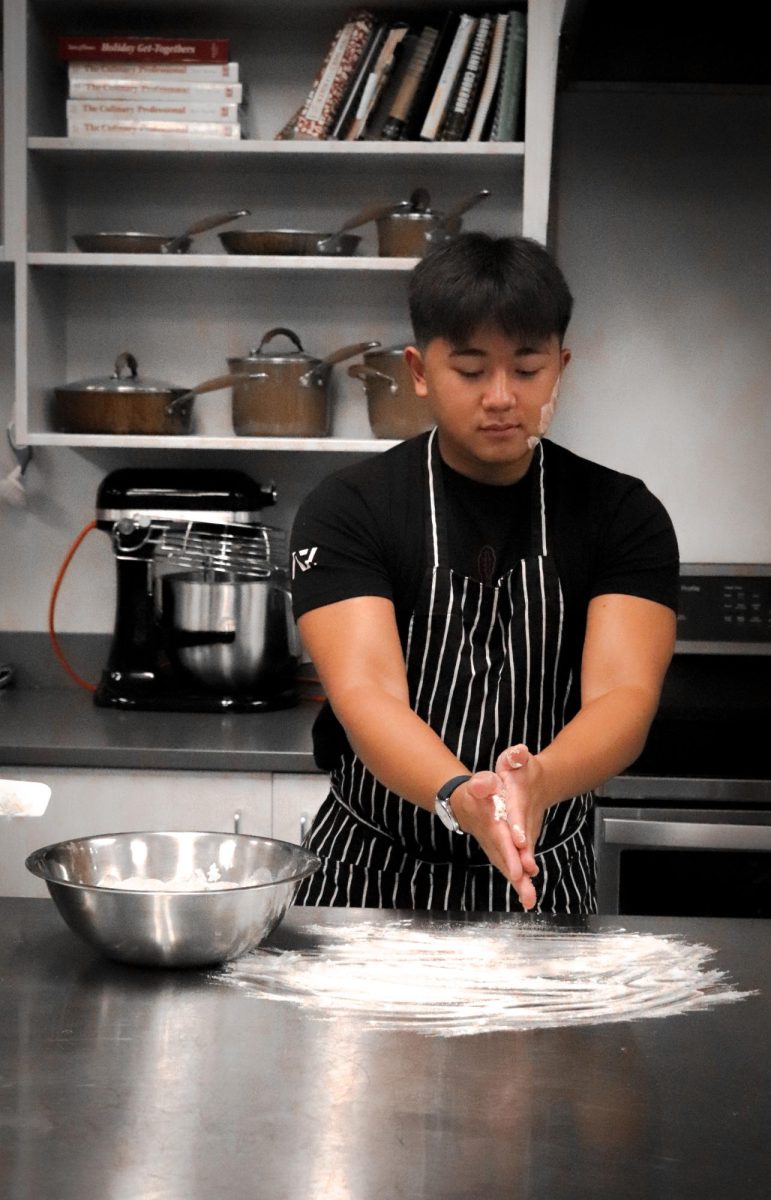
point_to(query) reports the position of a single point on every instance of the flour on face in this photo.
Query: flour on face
(547, 416)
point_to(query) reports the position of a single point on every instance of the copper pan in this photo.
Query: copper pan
(303, 242)
(133, 242)
(127, 403)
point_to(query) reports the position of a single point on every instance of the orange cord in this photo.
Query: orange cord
(90, 687)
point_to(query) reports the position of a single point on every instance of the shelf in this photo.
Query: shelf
(228, 262)
(303, 148)
(194, 442)
(68, 305)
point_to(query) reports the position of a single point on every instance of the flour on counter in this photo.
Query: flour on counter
(466, 979)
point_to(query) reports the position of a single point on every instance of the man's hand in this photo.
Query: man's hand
(520, 773)
(504, 843)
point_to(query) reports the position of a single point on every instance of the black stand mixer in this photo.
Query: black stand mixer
(203, 613)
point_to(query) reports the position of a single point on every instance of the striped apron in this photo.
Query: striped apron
(486, 668)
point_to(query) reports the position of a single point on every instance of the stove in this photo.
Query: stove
(686, 830)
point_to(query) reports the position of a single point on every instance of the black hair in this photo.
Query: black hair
(476, 281)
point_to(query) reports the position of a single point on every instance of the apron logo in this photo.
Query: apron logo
(303, 560)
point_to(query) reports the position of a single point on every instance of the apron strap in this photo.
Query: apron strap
(436, 514)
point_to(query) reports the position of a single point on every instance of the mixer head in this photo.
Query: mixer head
(206, 521)
(162, 494)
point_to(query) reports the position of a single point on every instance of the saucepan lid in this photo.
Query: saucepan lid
(125, 379)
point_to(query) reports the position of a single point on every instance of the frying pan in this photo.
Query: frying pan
(299, 241)
(132, 242)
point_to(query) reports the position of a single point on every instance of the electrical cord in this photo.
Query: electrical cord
(90, 687)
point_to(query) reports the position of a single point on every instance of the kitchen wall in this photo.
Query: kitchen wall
(662, 225)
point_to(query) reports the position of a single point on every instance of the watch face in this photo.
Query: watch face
(445, 815)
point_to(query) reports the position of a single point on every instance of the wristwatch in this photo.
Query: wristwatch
(442, 802)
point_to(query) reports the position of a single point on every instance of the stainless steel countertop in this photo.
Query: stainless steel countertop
(122, 1082)
(62, 727)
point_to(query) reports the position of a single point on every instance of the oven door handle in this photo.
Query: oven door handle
(694, 835)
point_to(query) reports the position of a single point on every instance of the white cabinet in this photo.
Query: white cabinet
(296, 800)
(182, 316)
(87, 802)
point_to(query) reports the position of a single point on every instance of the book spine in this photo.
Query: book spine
(487, 92)
(455, 58)
(347, 111)
(107, 127)
(512, 76)
(459, 111)
(335, 76)
(151, 110)
(71, 48)
(173, 89)
(403, 100)
(374, 85)
(193, 72)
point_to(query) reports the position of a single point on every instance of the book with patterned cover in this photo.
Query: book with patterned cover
(335, 76)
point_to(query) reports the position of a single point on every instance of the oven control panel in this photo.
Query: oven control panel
(724, 608)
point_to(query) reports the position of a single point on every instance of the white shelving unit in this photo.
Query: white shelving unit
(183, 316)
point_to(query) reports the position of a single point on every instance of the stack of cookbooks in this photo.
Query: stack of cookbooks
(151, 87)
(460, 77)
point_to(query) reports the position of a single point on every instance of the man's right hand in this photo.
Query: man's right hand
(473, 806)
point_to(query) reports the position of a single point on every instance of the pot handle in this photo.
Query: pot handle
(317, 373)
(201, 226)
(281, 331)
(211, 385)
(359, 371)
(449, 222)
(125, 360)
(373, 212)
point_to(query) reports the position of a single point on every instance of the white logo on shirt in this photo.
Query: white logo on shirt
(303, 560)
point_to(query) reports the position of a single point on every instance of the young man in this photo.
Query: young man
(490, 615)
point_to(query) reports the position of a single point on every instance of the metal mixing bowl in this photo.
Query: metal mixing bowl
(172, 928)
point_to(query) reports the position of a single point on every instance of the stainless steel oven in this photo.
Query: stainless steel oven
(686, 830)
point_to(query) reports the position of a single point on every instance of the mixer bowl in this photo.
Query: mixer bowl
(231, 631)
(169, 899)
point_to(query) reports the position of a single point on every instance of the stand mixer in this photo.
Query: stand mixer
(203, 617)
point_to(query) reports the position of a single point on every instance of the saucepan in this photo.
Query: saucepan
(393, 408)
(298, 241)
(285, 393)
(410, 229)
(128, 403)
(133, 242)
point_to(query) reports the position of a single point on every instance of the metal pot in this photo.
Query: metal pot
(393, 408)
(410, 230)
(132, 242)
(127, 404)
(286, 393)
(298, 241)
(234, 633)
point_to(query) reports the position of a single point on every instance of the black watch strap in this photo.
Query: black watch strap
(447, 789)
(442, 807)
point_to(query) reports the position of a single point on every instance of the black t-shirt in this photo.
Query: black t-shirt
(363, 532)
